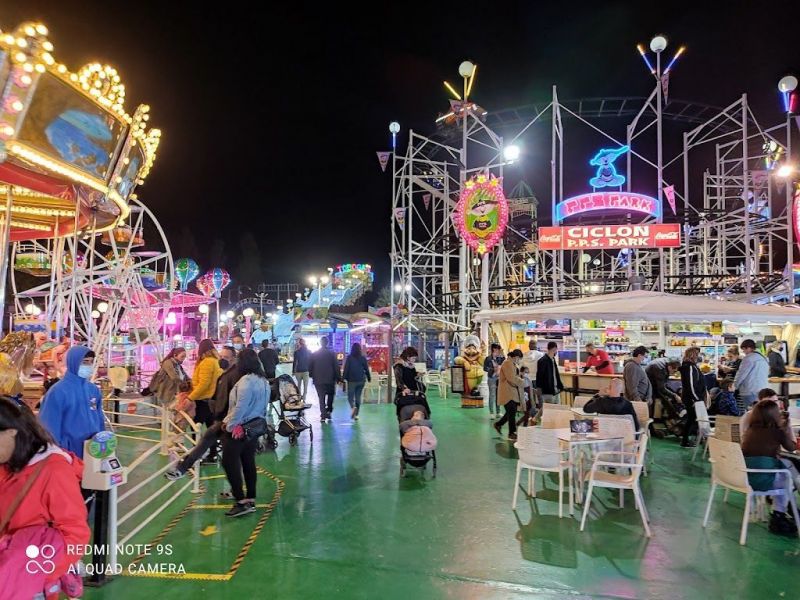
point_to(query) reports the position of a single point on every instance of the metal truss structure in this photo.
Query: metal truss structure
(735, 214)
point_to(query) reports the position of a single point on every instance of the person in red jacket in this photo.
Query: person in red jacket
(40, 505)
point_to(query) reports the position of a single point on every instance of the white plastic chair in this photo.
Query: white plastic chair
(729, 470)
(539, 450)
(599, 477)
(728, 429)
(556, 419)
(434, 378)
(705, 427)
(580, 401)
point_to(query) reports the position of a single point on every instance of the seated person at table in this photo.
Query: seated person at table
(612, 403)
(769, 432)
(724, 401)
(765, 394)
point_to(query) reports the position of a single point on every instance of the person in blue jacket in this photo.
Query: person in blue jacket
(72, 409)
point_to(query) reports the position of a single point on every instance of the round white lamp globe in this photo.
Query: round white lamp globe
(658, 44)
(466, 68)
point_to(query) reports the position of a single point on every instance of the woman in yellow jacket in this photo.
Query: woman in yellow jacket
(204, 381)
(510, 393)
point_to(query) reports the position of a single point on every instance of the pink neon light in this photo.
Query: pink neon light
(796, 214)
(479, 188)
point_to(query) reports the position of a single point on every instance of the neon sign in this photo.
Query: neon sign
(796, 214)
(481, 214)
(606, 175)
(608, 201)
(600, 237)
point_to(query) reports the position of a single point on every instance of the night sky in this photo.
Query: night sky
(271, 118)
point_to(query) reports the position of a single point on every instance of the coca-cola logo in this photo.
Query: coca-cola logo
(556, 237)
(668, 235)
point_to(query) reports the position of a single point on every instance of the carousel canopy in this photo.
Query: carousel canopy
(70, 154)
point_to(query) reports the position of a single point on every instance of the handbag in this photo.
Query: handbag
(255, 428)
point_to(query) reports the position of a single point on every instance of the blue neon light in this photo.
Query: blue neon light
(606, 175)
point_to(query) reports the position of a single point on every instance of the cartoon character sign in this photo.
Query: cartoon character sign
(481, 214)
(607, 175)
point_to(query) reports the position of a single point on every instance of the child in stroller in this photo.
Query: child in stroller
(290, 409)
(417, 442)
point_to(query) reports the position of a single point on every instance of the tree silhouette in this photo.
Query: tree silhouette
(216, 255)
(249, 271)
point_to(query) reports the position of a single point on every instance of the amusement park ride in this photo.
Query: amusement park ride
(724, 230)
(71, 157)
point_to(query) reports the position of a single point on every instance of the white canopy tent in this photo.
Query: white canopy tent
(647, 306)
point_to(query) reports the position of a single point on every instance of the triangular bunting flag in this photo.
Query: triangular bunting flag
(665, 86)
(383, 158)
(400, 217)
(669, 192)
(426, 200)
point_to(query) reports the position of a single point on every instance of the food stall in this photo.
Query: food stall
(655, 320)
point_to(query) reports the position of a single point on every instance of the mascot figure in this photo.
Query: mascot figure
(471, 361)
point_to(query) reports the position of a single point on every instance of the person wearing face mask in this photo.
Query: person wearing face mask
(510, 393)
(72, 410)
(164, 384)
(237, 341)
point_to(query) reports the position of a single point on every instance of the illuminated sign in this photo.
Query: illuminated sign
(796, 214)
(608, 201)
(601, 237)
(606, 174)
(481, 214)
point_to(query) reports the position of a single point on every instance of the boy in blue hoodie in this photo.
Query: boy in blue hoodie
(72, 409)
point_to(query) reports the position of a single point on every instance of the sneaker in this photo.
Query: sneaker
(492, 416)
(207, 461)
(497, 428)
(239, 509)
(174, 474)
(781, 524)
(682, 413)
(512, 437)
(226, 494)
(688, 444)
(356, 417)
(353, 413)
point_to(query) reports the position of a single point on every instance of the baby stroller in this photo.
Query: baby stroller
(406, 407)
(290, 409)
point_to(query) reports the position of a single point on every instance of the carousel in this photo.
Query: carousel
(71, 158)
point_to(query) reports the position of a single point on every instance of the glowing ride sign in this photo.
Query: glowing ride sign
(594, 201)
(614, 237)
(481, 214)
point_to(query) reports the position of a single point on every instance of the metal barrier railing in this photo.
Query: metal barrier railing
(170, 434)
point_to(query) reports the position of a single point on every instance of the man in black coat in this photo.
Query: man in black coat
(326, 373)
(612, 403)
(548, 379)
(269, 359)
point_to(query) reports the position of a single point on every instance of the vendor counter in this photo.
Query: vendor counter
(588, 384)
(584, 384)
(787, 387)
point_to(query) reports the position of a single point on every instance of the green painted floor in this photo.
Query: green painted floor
(346, 526)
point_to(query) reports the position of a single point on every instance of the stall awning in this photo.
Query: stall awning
(648, 306)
